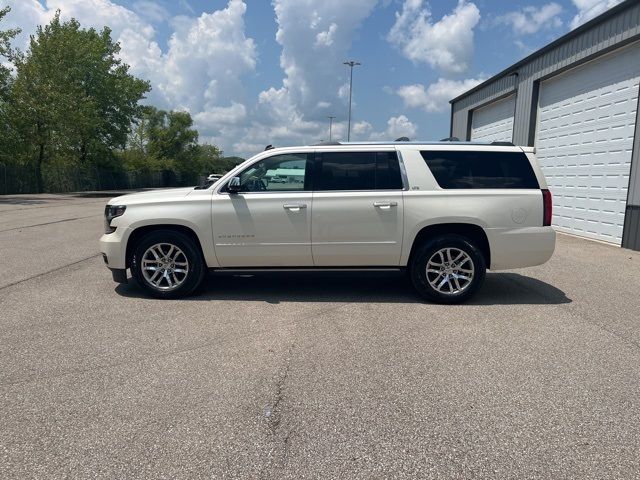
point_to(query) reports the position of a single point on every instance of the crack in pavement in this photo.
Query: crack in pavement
(48, 223)
(59, 205)
(274, 412)
(140, 359)
(53, 270)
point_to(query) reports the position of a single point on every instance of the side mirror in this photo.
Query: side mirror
(234, 185)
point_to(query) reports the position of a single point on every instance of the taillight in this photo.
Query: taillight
(547, 208)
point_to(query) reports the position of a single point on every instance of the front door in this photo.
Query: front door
(357, 209)
(268, 223)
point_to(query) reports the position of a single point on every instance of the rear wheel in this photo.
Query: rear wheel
(167, 264)
(448, 269)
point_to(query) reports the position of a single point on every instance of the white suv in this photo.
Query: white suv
(444, 211)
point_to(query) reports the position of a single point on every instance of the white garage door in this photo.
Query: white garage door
(494, 122)
(584, 140)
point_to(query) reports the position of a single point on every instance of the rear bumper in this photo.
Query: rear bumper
(520, 247)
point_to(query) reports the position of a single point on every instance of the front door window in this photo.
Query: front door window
(280, 173)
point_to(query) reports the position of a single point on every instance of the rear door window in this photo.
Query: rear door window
(473, 169)
(358, 171)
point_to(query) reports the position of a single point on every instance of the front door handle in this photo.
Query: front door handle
(294, 206)
(385, 204)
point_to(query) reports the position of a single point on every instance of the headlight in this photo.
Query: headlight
(111, 212)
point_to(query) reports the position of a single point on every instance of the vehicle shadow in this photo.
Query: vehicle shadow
(498, 289)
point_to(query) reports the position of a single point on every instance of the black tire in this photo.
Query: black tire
(423, 281)
(189, 281)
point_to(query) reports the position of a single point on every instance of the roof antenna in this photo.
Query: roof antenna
(269, 147)
(450, 139)
(403, 139)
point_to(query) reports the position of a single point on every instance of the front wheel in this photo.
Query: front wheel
(167, 264)
(448, 269)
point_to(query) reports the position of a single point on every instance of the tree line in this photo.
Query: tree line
(69, 103)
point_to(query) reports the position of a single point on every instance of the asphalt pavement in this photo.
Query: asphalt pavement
(310, 376)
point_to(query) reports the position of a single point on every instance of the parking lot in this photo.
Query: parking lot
(310, 376)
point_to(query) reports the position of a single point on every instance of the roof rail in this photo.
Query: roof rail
(503, 144)
(319, 144)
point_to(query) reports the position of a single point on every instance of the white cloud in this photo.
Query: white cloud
(187, 6)
(315, 39)
(97, 13)
(363, 131)
(530, 19)
(314, 75)
(151, 10)
(523, 47)
(325, 38)
(213, 117)
(28, 14)
(207, 57)
(201, 70)
(435, 98)
(247, 148)
(343, 91)
(588, 9)
(446, 44)
(397, 127)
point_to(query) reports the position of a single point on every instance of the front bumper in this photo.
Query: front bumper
(113, 247)
(119, 275)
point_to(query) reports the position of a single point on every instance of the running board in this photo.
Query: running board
(252, 270)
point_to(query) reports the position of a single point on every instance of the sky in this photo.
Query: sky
(258, 72)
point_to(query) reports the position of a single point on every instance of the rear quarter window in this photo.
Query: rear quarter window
(472, 170)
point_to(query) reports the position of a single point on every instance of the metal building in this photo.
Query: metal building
(576, 101)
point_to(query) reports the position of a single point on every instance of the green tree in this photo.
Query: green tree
(7, 134)
(161, 140)
(209, 159)
(230, 162)
(72, 97)
(171, 136)
(7, 53)
(220, 164)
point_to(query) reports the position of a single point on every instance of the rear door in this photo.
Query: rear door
(357, 217)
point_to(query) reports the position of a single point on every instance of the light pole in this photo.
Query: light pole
(330, 125)
(350, 64)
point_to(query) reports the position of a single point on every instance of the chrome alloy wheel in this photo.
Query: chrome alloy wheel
(450, 271)
(165, 266)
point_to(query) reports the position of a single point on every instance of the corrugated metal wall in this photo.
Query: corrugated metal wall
(612, 32)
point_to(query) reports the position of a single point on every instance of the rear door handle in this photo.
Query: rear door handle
(385, 204)
(294, 206)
